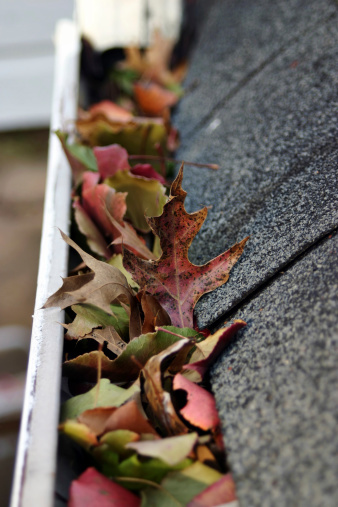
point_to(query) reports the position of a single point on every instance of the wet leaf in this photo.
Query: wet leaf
(93, 489)
(197, 397)
(171, 450)
(100, 288)
(172, 279)
(209, 349)
(144, 197)
(104, 394)
(221, 492)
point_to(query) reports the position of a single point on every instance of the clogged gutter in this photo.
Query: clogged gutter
(145, 415)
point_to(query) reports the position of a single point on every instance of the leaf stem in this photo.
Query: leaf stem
(157, 328)
(158, 158)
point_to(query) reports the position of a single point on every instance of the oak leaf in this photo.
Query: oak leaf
(104, 285)
(173, 279)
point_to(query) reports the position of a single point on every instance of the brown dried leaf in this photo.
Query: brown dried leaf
(102, 287)
(160, 404)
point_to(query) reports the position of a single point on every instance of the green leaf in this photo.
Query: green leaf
(103, 395)
(84, 154)
(149, 469)
(126, 367)
(89, 317)
(80, 433)
(118, 439)
(183, 486)
(145, 197)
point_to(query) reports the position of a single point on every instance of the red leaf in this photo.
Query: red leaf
(111, 159)
(207, 418)
(147, 171)
(93, 489)
(210, 348)
(220, 493)
(176, 282)
(97, 198)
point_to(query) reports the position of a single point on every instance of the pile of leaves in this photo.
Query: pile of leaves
(145, 415)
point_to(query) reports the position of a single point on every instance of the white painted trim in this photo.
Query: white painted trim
(35, 470)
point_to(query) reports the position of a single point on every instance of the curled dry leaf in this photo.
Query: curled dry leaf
(100, 288)
(154, 314)
(160, 404)
(87, 227)
(173, 279)
(208, 350)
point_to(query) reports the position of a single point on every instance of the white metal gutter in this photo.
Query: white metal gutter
(35, 470)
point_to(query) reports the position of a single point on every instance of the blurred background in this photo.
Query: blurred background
(26, 83)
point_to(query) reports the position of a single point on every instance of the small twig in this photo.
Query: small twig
(215, 167)
(99, 373)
